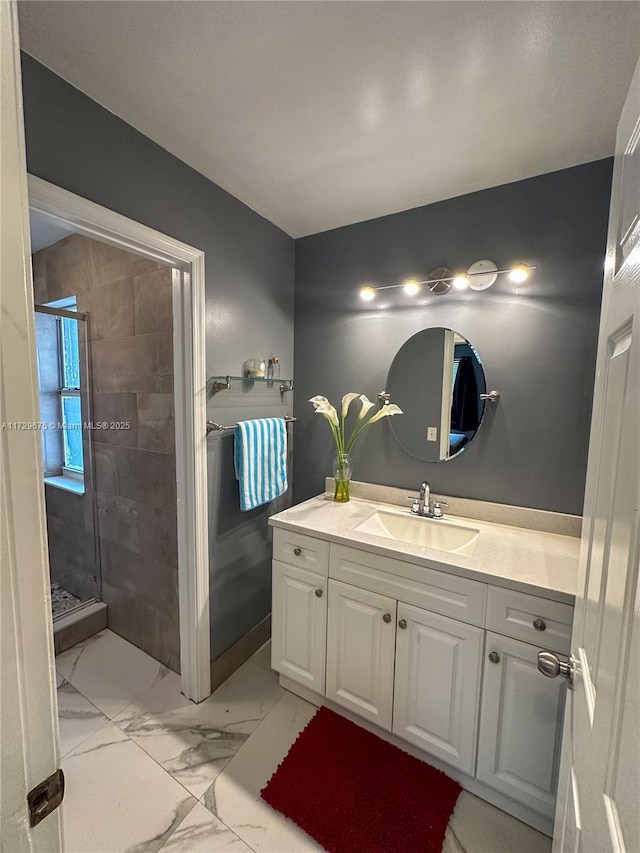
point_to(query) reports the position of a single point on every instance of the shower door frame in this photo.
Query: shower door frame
(92, 220)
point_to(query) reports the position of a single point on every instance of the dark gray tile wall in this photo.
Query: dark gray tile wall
(155, 423)
(139, 364)
(73, 555)
(130, 330)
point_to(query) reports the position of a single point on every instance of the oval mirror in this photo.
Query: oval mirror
(436, 378)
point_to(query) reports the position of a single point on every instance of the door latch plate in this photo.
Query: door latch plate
(45, 797)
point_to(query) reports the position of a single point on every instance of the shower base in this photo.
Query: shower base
(78, 624)
(62, 600)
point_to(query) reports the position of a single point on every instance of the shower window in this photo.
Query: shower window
(61, 346)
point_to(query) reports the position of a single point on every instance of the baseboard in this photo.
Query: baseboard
(484, 792)
(79, 625)
(233, 658)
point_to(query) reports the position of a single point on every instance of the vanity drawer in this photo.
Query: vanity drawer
(439, 592)
(306, 552)
(526, 617)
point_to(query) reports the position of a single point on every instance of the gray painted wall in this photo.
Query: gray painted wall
(537, 341)
(75, 143)
(240, 542)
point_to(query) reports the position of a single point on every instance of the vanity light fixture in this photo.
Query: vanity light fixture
(480, 276)
(412, 287)
(367, 293)
(461, 281)
(519, 273)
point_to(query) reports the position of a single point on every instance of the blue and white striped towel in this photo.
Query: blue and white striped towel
(261, 461)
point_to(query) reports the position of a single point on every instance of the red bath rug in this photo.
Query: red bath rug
(356, 793)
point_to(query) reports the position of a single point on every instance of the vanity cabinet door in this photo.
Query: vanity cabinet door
(299, 625)
(360, 651)
(437, 685)
(520, 725)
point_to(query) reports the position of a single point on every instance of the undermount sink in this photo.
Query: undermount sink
(426, 532)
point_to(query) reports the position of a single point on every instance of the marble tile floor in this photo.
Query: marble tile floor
(147, 770)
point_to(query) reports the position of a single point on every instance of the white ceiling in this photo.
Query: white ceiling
(320, 114)
(45, 231)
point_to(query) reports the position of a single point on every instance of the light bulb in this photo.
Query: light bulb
(412, 287)
(461, 281)
(367, 293)
(519, 273)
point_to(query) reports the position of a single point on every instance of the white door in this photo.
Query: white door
(361, 628)
(599, 796)
(437, 685)
(299, 625)
(520, 726)
(29, 712)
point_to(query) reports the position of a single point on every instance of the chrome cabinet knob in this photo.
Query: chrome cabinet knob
(386, 617)
(318, 593)
(539, 624)
(297, 551)
(494, 657)
(402, 623)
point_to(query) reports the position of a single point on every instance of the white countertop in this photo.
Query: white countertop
(532, 561)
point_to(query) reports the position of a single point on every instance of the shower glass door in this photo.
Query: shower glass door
(64, 375)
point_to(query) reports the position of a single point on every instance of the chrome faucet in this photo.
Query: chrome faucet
(422, 503)
(424, 498)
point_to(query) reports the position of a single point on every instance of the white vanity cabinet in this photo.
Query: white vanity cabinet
(437, 685)
(299, 609)
(522, 710)
(360, 652)
(440, 661)
(521, 725)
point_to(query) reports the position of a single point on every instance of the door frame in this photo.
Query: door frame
(29, 713)
(92, 220)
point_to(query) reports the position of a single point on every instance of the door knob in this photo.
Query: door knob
(297, 551)
(539, 624)
(402, 623)
(551, 666)
(386, 617)
(318, 593)
(494, 657)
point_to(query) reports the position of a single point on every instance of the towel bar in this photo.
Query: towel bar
(212, 426)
